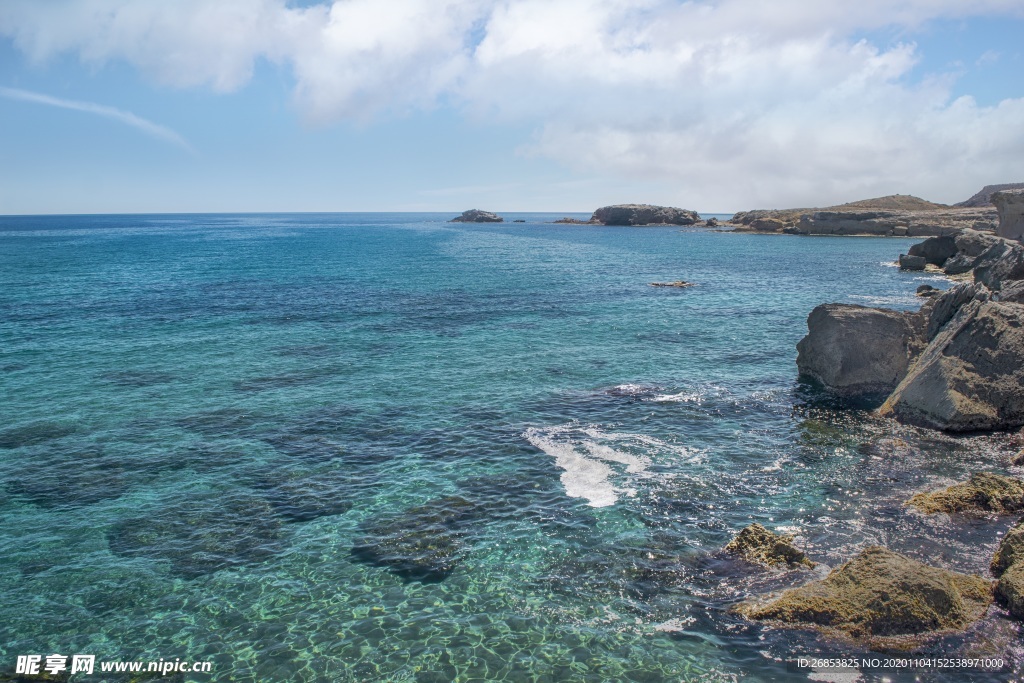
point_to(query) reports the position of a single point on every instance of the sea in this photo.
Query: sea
(387, 447)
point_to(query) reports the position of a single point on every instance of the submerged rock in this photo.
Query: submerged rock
(854, 350)
(477, 216)
(983, 492)
(758, 545)
(203, 535)
(1010, 205)
(424, 543)
(644, 214)
(880, 599)
(971, 376)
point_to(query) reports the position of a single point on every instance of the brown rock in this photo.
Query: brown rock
(1010, 551)
(1010, 590)
(758, 545)
(983, 492)
(880, 599)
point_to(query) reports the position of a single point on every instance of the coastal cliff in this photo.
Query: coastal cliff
(890, 216)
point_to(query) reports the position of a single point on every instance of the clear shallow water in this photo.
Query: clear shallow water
(384, 447)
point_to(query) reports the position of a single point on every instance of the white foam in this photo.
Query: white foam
(583, 477)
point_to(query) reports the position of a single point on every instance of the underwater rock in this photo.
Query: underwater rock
(880, 599)
(477, 216)
(424, 543)
(201, 535)
(971, 376)
(41, 677)
(303, 497)
(758, 545)
(61, 479)
(34, 434)
(983, 492)
(856, 350)
(1010, 551)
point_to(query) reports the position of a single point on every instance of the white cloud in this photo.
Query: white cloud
(737, 102)
(153, 129)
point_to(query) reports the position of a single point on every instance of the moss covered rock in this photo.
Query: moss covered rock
(758, 545)
(983, 492)
(1010, 551)
(880, 599)
(1010, 590)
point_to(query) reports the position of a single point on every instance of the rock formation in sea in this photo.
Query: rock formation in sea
(879, 599)
(1008, 566)
(983, 492)
(1010, 205)
(855, 350)
(894, 215)
(958, 364)
(758, 545)
(477, 216)
(644, 214)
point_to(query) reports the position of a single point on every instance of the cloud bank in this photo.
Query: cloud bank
(735, 102)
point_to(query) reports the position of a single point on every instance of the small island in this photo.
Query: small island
(477, 216)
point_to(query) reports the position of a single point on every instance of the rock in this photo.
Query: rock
(983, 492)
(644, 214)
(928, 291)
(424, 543)
(768, 225)
(908, 262)
(711, 222)
(575, 221)
(974, 243)
(857, 350)
(880, 599)
(477, 216)
(1010, 551)
(935, 250)
(677, 283)
(971, 375)
(1010, 590)
(942, 308)
(1011, 292)
(758, 545)
(984, 197)
(1003, 262)
(519, 220)
(958, 264)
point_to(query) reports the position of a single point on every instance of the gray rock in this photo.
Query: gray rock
(973, 242)
(1003, 262)
(768, 224)
(971, 376)
(935, 250)
(984, 197)
(644, 214)
(1012, 292)
(855, 350)
(939, 311)
(927, 291)
(477, 216)
(908, 262)
(711, 222)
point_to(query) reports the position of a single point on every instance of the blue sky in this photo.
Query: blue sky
(553, 105)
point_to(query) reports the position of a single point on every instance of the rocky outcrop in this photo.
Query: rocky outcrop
(970, 245)
(644, 214)
(895, 215)
(908, 262)
(758, 545)
(971, 376)
(477, 216)
(880, 599)
(854, 350)
(682, 284)
(1008, 566)
(1010, 205)
(983, 492)
(1010, 551)
(984, 197)
(935, 250)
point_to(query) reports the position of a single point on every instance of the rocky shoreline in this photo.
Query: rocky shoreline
(957, 366)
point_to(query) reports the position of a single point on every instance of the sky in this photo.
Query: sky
(136, 106)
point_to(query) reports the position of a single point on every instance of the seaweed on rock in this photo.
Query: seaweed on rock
(758, 545)
(983, 492)
(202, 536)
(424, 543)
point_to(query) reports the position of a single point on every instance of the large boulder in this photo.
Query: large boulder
(971, 376)
(477, 216)
(1002, 262)
(970, 244)
(983, 492)
(758, 545)
(909, 262)
(934, 250)
(854, 350)
(1010, 205)
(880, 599)
(942, 308)
(644, 214)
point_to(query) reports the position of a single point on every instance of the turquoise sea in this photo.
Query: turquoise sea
(362, 447)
